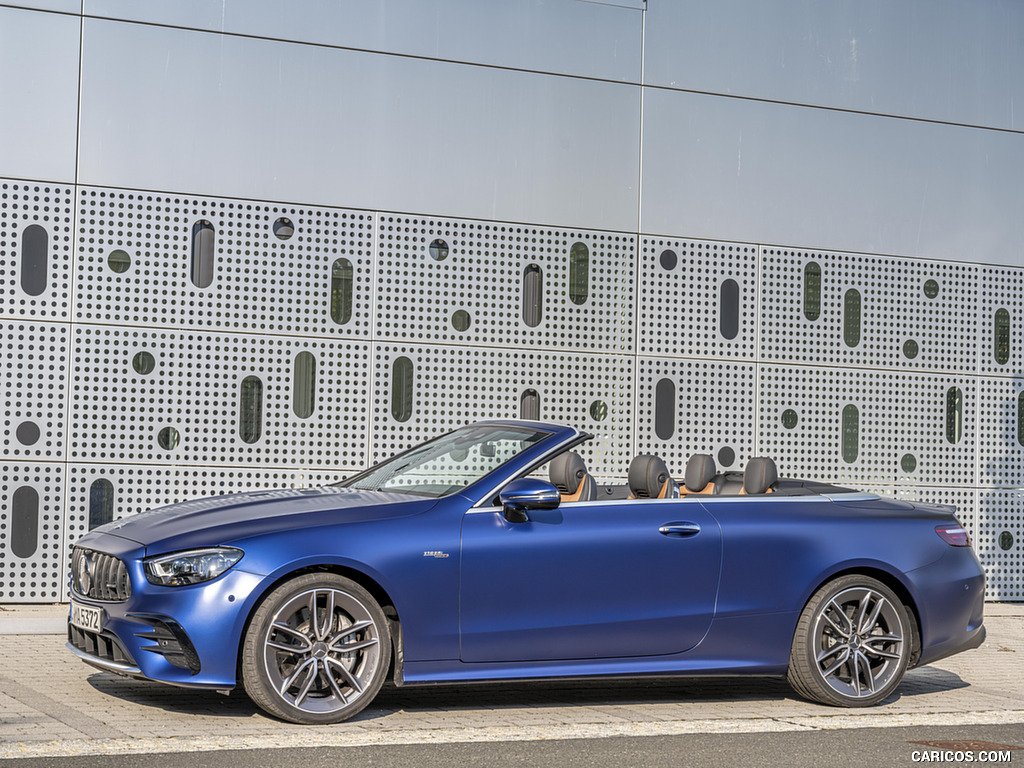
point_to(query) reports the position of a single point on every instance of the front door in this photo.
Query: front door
(588, 580)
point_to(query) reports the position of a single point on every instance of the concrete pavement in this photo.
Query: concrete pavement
(51, 704)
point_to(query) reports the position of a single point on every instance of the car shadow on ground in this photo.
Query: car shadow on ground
(519, 695)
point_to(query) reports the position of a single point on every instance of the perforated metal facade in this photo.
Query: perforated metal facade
(362, 235)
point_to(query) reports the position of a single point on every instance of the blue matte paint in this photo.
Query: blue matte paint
(585, 589)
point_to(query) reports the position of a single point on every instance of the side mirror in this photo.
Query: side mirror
(526, 493)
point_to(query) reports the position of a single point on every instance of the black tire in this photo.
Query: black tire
(316, 671)
(852, 643)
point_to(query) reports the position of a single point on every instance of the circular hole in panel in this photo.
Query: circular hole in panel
(931, 288)
(283, 228)
(789, 418)
(439, 250)
(460, 320)
(459, 455)
(28, 433)
(168, 438)
(143, 363)
(598, 410)
(1005, 540)
(910, 349)
(726, 456)
(909, 463)
(669, 259)
(119, 261)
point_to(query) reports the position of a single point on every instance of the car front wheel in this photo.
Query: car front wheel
(317, 650)
(852, 643)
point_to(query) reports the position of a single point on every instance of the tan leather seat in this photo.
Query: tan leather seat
(759, 476)
(649, 479)
(569, 475)
(700, 475)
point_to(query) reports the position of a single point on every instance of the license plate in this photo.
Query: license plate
(87, 617)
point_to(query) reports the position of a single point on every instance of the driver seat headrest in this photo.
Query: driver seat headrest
(569, 475)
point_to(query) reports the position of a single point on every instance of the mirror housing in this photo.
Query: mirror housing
(524, 494)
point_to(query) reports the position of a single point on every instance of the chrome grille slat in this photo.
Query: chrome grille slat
(107, 576)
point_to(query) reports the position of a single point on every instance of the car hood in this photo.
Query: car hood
(222, 519)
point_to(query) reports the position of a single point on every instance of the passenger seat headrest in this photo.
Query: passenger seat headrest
(567, 472)
(647, 476)
(759, 475)
(700, 470)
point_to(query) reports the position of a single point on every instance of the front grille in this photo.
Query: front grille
(99, 576)
(102, 645)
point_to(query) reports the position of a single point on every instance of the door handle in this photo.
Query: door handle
(679, 530)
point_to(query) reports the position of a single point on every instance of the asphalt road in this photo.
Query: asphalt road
(845, 748)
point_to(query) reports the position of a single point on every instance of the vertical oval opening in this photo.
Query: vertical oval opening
(851, 317)
(1020, 418)
(812, 290)
(342, 279)
(101, 503)
(529, 405)
(401, 389)
(954, 415)
(25, 522)
(579, 273)
(304, 385)
(250, 409)
(729, 309)
(34, 259)
(1002, 336)
(665, 408)
(204, 244)
(851, 433)
(533, 287)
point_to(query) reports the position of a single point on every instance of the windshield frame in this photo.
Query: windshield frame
(500, 429)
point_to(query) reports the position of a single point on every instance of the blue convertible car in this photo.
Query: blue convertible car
(490, 553)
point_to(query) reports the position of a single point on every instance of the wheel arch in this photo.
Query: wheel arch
(367, 582)
(894, 583)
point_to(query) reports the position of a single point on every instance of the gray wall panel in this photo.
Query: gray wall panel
(261, 119)
(39, 94)
(721, 168)
(561, 36)
(63, 6)
(946, 61)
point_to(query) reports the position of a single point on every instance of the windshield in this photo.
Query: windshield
(449, 463)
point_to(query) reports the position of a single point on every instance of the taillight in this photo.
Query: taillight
(953, 534)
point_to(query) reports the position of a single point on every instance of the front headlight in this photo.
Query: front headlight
(192, 567)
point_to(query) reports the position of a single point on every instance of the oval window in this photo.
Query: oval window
(665, 408)
(34, 258)
(851, 317)
(25, 522)
(533, 287)
(204, 244)
(579, 273)
(529, 405)
(250, 409)
(101, 503)
(1002, 336)
(851, 434)
(304, 385)
(729, 309)
(812, 290)
(342, 279)
(1020, 418)
(401, 389)
(954, 415)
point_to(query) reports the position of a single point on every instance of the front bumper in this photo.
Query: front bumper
(186, 636)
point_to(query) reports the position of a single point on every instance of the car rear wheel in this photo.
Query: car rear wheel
(852, 643)
(317, 650)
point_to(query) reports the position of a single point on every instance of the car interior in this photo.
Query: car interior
(649, 478)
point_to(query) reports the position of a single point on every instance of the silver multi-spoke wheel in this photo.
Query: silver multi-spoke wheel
(852, 643)
(317, 650)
